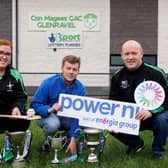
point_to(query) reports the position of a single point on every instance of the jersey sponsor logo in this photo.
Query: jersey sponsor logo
(9, 87)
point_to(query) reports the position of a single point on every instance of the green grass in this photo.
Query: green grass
(113, 157)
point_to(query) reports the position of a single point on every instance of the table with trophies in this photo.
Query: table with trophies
(13, 140)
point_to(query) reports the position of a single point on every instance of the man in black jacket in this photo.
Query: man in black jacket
(123, 85)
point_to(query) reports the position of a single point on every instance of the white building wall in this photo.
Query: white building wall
(163, 35)
(35, 57)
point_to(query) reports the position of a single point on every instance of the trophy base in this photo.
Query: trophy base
(92, 158)
(19, 164)
(55, 161)
(20, 159)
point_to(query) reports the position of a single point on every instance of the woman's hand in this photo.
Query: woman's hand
(16, 111)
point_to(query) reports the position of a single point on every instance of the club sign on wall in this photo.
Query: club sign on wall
(83, 21)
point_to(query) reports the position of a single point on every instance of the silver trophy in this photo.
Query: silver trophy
(57, 143)
(17, 139)
(92, 141)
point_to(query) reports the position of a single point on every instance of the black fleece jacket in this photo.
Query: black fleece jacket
(124, 83)
(12, 91)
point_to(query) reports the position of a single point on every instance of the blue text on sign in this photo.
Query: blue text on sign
(105, 108)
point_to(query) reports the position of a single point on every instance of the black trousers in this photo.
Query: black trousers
(13, 125)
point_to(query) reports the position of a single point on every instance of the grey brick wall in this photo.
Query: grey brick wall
(134, 19)
(6, 19)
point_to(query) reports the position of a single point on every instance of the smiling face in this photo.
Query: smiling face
(5, 56)
(70, 71)
(132, 55)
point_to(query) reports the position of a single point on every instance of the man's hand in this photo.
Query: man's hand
(54, 108)
(16, 111)
(111, 130)
(72, 146)
(143, 115)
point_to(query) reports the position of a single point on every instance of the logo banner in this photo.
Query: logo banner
(101, 113)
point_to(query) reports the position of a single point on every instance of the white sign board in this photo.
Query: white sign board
(101, 113)
(84, 26)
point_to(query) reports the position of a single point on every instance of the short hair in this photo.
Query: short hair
(133, 42)
(71, 59)
(5, 42)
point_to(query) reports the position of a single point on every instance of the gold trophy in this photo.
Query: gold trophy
(92, 141)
